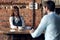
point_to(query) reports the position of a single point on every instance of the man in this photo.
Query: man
(50, 23)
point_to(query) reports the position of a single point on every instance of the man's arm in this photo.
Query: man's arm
(41, 27)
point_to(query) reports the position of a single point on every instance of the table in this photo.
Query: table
(11, 34)
(25, 34)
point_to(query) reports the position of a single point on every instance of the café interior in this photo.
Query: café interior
(30, 10)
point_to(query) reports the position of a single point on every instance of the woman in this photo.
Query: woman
(16, 21)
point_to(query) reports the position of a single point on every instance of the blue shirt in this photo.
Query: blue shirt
(51, 24)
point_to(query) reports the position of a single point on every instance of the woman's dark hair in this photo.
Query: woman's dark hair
(50, 5)
(17, 9)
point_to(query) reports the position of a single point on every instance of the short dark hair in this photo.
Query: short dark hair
(50, 5)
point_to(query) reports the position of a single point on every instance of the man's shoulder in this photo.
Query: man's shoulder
(45, 16)
(48, 15)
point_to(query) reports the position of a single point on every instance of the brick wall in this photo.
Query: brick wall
(27, 13)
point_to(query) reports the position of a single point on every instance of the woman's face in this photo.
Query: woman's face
(15, 11)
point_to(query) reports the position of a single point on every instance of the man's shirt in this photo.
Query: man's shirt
(51, 24)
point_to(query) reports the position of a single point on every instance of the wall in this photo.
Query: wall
(6, 10)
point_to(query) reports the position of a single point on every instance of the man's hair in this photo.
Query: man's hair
(50, 5)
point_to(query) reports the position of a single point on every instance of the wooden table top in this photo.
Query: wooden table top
(7, 31)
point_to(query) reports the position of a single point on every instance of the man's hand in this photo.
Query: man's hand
(31, 31)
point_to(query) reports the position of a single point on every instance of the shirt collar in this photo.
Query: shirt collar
(51, 13)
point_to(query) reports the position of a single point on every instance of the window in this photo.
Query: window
(57, 2)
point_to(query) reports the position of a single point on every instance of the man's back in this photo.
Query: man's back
(53, 27)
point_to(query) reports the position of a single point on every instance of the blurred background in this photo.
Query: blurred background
(31, 10)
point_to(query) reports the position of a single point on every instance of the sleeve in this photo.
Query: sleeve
(40, 28)
(11, 23)
(23, 23)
